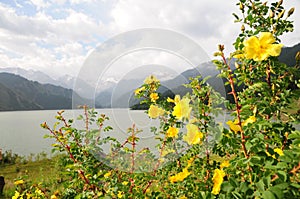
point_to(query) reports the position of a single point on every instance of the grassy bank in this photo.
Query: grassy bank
(44, 171)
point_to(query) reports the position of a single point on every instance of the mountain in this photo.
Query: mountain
(119, 94)
(19, 93)
(10, 100)
(175, 86)
(288, 54)
(31, 75)
(122, 94)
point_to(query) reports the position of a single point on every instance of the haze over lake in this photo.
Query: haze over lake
(21, 131)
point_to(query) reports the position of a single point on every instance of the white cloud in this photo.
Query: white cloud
(57, 37)
(43, 43)
(81, 1)
(201, 20)
(59, 2)
(40, 4)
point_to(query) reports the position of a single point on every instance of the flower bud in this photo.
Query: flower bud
(236, 65)
(281, 14)
(279, 3)
(243, 28)
(221, 47)
(241, 6)
(271, 15)
(291, 11)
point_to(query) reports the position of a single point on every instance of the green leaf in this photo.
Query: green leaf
(282, 175)
(295, 185)
(267, 181)
(277, 191)
(268, 195)
(260, 185)
(227, 187)
(237, 195)
(255, 160)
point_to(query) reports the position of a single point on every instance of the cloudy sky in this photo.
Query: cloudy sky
(56, 36)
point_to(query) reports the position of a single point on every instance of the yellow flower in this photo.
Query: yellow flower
(278, 151)
(151, 79)
(139, 90)
(28, 195)
(250, 120)
(224, 164)
(16, 196)
(53, 197)
(268, 154)
(125, 183)
(190, 162)
(180, 176)
(170, 100)
(239, 56)
(193, 135)
(234, 125)
(217, 180)
(107, 174)
(19, 182)
(176, 100)
(120, 194)
(183, 197)
(261, 48)
(155, 111)
(39, 192)
(172, 132)
(154, 97)
(182, 109)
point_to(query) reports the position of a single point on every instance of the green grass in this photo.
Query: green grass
(44, 171)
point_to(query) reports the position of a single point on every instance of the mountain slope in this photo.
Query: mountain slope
(18, 93)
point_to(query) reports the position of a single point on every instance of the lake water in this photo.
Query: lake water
(21, 133)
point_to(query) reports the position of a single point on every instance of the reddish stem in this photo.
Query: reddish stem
(238, 106)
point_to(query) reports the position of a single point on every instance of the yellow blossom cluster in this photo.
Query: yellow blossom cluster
(154, 97)
(193, 135)
(155, 111)
(217, 180)
(17, 195)
(276, 150)
(19, 182)
(139, 90)
(182, 107)
(218, 176)
(260, 48)
(235, 127)
(172, 132)
(179, 177)
(151, 79)
(107, 175)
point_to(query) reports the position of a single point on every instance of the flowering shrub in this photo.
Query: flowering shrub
(257, 156)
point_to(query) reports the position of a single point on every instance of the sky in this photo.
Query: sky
(57, 36)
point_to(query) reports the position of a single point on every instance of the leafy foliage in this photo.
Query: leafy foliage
(256, 156)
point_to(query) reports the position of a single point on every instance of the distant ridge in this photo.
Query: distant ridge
(19, 93)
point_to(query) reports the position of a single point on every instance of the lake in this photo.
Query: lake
(21, 133)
